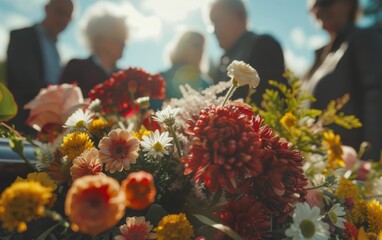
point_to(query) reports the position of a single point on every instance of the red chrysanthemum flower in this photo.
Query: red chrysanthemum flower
(226, 146)
(247, 217)
(351, 230)
(117, 94)
(282, 181)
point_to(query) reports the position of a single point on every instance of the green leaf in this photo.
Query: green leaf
(17, 145)
(45, 234)
(227, 230)
(8, 106)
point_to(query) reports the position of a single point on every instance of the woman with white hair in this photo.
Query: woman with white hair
(106, 34)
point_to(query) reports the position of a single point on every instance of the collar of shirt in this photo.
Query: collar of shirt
(97, 62)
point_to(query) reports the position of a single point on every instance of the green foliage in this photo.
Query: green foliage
(8, 106)
(284, 109)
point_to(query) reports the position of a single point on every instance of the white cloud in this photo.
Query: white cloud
(316, 41)
(172, 10)
(298, 37)
(142, 27)
(298, 64)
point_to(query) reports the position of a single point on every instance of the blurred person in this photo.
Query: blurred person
(350, 63)
(106, 33)
(33, 61)
(186, 57)
(262, 52)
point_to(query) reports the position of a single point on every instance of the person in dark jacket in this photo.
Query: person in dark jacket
(106, 32)
(33, 61)
(350, 63)
(262, 52)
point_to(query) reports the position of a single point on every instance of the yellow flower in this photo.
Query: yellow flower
(333, 144)
(175, 227)
(98, 126)
(141, 132)
(23, 202)
(74, 144)
(347, 189)
(374, 216)
(44, 179)
(40, 177)
(288, 120)
(359, 211)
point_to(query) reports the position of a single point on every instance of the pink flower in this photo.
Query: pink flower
(54, 104)
(88, 163)
(118, 150)
(349, 155)
(136, 228)
(363, 171)
(315, 198)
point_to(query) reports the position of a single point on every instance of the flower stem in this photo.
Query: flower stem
(229, 93)
(319, 186)
(177, 144)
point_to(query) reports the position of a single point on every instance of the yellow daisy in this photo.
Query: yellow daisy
(74, 144)
(289, 120)
(332, 143)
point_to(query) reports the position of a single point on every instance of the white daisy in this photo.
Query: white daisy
(307, 224)
(156, 145)
(144, 102)
(95, 106)
(166, 116)
(79, 119)
(336, 215)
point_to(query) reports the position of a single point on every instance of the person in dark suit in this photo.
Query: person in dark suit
(262, 52)
(106, 33)
(350, 63)
(32, 58)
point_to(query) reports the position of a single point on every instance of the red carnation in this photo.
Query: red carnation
(117, 94)
(282, 181)
(247, 217)
(226, 146)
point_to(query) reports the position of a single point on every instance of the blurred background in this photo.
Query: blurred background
(154, 23)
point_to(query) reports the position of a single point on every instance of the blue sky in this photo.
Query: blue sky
(154, 23)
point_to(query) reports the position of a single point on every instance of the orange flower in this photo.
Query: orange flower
(88, 163)
(94, 204)
(139, 189)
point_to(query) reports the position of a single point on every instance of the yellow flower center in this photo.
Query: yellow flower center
(333, 217)
(158, 147)
(80, 124)
(307, 228)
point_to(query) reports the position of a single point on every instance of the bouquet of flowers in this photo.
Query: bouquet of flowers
(203, 167)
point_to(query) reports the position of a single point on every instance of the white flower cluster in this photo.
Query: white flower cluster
(193, 101)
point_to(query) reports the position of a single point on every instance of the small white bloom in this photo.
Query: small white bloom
(243, 74)
(166, 116)
(307, 224)
(45, 155)
(144, 102)
(95, 106)
(79, 119)
(156, 145)
(336, 215)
